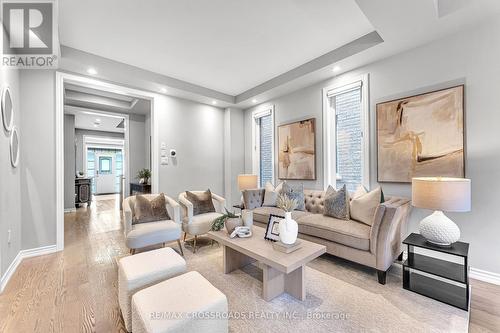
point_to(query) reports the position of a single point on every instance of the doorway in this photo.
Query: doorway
(108, 164)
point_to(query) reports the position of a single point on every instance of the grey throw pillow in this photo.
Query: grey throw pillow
(336, 203)
(295, 192)
(150, 211)
(202, 202)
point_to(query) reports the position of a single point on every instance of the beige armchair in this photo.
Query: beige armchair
(197, 225)
(151, 233)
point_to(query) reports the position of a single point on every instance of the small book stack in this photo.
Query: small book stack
(287, 248)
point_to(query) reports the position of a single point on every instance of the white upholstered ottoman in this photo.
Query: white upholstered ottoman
(186, 303)
(143, 270)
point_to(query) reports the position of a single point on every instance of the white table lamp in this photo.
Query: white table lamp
(441, 194)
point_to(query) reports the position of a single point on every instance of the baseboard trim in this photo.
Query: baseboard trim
(485, 276)
(69, 210)
(21, 255)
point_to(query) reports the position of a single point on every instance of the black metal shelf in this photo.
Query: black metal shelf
(442, 280)
(438, 267)
(441, 291)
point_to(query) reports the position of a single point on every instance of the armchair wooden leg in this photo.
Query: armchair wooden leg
(194, 244)
(180, 247)
(184, 237)
(163, 244)
(132, 251)
(382, 276)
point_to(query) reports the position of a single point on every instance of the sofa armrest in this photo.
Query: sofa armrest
(219, 203)
(388, 231)
(127, 217)
(187, 207)
(174, 209)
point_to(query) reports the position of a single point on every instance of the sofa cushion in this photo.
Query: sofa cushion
(363, 207)
(271, 194)
(295, 192)
(314, 201)
(337, 203)
(261, 214)
(145, 234)
(350, 233)
(253, 198)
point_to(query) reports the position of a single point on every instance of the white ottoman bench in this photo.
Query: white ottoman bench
(143, 270)
(186, 303)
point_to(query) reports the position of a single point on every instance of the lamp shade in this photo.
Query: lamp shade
(441, 193)
(247, 182)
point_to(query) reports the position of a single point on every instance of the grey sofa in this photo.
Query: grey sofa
(375, 246)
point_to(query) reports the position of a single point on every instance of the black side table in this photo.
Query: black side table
(440, 279)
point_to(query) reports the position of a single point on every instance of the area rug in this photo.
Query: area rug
(341, 297)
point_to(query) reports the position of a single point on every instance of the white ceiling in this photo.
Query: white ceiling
(97, 122)
(95, 99)
(226, 45)
(233, 46)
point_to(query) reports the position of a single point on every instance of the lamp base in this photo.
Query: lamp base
(439, 230)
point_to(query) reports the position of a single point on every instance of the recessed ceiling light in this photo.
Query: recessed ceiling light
(336, 68)
(254, 101)
(96, 125)
(92, 71)
(163, 90)
(97, 120)
(214, 102)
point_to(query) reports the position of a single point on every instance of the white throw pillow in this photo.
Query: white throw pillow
(361, 190)
(271, 194)
(363, 207)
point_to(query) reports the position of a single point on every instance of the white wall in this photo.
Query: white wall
(196, 132)
(137, 146)
(69, 161)
(234, 154)
(471, 57)
(10, 178)
(38, 151)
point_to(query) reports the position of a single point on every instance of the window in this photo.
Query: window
(263, 154)
(105, 165)
(346, 127)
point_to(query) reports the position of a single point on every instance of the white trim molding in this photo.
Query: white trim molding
(21, 255)
(341, 85)
(479, 274)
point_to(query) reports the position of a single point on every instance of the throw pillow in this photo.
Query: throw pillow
(202, 202)
(150, 211)
(295, 192)
(271, 194)
(363, 207)
(361, 190)
(336, 203)
(143, 211)
(159, 206)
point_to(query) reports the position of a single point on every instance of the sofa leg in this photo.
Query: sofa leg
(180, 247)
(382, 275)
(400, 257)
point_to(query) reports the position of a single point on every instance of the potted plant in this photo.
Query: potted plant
(288, 227)
(231, 221)
(144, 175)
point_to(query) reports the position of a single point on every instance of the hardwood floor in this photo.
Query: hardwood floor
(76, 290)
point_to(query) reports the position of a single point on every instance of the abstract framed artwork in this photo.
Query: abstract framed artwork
(297, 150)
(421, 135)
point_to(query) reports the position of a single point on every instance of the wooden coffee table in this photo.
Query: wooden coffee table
(281, 272)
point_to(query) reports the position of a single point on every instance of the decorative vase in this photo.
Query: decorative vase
(439, 230)
(288, 229)
(247, 216)
(232, 223)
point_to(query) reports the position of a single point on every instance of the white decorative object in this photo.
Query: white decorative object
(14, 147)
(288, 229)
(441, 194)
(7, 110)
(247, 216)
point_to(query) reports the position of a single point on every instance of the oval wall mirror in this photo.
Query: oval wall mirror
(7, 109)
(14, 147)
